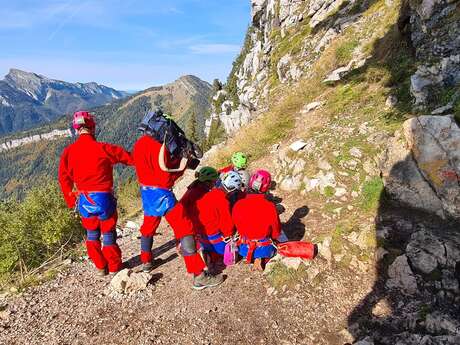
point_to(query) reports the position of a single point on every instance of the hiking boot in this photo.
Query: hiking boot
(147, 267)
(101, 272)
(205, 280)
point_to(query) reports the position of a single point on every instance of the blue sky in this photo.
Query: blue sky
(129, 45)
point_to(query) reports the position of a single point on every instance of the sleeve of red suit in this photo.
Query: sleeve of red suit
(276, 224)
(118, 154)
(172, 164)
(226, 221)
(225, 169)
(66, 181)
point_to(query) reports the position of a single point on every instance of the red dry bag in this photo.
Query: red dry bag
(297, 249)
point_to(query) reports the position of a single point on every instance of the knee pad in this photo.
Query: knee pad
(146, 243)
(93, 235)
(188, 245)
(109, 238)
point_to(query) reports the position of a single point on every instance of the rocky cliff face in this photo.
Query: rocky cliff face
(286, 37)
(53, 135)
(435, 32)
(28, 99)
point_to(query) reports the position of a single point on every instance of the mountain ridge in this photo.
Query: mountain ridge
(28, 155)
(29, 99)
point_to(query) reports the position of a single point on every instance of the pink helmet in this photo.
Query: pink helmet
(83, 119)
(260, 181)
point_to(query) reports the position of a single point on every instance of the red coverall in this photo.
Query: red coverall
(88, 165)
(256, 218)
(145, 154)
(214, 214)
(194, 193)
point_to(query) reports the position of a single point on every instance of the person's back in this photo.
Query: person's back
(91, 163)
(156, 173)
(195, 192)
(256, 218)
(257, 221)
(214, 213)
(88, 165)
(145, 154)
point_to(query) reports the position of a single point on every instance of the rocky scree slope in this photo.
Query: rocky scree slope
(28, 100)
(354, 106)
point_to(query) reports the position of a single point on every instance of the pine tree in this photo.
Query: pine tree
(192, 127)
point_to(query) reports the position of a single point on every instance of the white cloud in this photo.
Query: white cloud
(213, 49)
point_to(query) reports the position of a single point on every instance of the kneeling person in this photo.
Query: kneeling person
(214, 216)
(257, 221)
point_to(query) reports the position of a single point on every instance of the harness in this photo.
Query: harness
(253, 245)
(211, 239)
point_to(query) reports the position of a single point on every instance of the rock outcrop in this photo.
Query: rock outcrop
(421, 166)
(53, 135)
(265, 60)
(435, 32)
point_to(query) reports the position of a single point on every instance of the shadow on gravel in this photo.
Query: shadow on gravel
(135, 261)
(294, 228)
(155, 278)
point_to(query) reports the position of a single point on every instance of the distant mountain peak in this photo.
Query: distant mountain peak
(29, 99)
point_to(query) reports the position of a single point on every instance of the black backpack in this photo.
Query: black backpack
(165, 130)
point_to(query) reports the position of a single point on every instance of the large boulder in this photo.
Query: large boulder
(421, 166)
(425, 252)
(127, 281)
(401, 276)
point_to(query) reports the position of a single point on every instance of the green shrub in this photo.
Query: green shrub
(344, 52)
(34, 230)
(329, 191)
(129, 198)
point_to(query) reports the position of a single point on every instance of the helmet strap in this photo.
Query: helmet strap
(85, 130)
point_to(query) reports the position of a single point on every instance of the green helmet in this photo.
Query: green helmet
(207, 174)
(239, 160)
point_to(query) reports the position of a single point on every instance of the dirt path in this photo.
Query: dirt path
(79, 308)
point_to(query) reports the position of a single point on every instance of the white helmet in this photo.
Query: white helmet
(231, 181)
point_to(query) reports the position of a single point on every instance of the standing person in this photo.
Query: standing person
(88, 165)
(214, 217)
(257, 221)
(157, 173)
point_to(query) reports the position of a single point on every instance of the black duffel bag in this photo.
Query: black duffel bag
(163, 129)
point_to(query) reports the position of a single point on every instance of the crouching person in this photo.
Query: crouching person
(257, 222)
(157, 173)
(215, 224)
(88, 165)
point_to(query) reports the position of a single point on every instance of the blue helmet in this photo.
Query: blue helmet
(231, 181)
